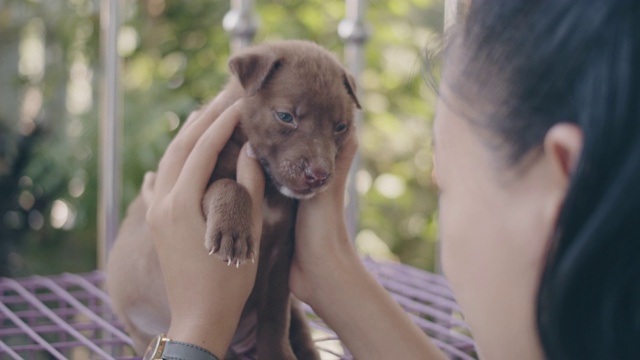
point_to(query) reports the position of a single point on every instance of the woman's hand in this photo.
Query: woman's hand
(328, 274)
(205, 295)
(322, 241)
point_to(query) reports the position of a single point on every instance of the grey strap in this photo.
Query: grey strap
(175, 350)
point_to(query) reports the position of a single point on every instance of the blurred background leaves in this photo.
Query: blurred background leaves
(174, 57)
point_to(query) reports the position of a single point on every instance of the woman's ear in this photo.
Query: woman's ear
(563, 146)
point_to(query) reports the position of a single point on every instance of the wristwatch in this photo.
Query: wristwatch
(163, 348)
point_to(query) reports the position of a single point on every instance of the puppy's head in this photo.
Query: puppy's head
(299, 110)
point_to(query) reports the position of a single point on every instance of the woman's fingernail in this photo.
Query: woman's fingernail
(250, 152)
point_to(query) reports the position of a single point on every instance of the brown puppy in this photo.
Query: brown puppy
(299, 107)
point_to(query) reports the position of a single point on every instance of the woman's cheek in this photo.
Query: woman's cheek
(447, 238)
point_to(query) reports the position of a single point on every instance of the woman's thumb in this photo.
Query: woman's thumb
(251, 176)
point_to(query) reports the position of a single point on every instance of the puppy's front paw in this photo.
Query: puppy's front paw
(227, 207)
(232, 244)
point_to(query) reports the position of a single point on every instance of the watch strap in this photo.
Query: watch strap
(176, 350)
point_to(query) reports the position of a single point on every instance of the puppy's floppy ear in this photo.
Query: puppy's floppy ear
(254, 68)
(350, 85)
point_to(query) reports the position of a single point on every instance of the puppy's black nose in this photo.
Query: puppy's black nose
(315, 177)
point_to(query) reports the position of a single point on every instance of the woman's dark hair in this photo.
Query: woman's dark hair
(542, 62)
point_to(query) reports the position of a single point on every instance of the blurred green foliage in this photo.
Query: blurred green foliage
(174, 56)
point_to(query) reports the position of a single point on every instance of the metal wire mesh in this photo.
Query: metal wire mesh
(60, 317)
(69, 317)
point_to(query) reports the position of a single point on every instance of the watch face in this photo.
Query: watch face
(152, 349)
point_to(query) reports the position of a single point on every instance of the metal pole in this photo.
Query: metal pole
(109, 151)
(241, 23)
(354, 33)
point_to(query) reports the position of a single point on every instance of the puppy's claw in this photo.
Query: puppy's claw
(228, 261)
(237, 263)
(214, 249)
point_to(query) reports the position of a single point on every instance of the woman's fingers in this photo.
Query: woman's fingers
(147, 187)
(191, 119)
(251, 176)
(219, 102)
(179, 149)
(199, 165)
(344, 161)
(347, 153)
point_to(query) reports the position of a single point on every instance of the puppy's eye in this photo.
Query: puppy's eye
(340, 128)
(284, 117)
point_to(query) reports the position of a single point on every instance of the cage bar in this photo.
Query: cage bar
(110, 131)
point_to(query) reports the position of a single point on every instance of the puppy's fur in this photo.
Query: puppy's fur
(298, 153)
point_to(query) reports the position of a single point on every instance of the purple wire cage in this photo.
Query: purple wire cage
(69, 316)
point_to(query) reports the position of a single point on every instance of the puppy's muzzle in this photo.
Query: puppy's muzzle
(315, 178)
